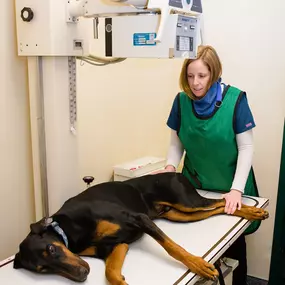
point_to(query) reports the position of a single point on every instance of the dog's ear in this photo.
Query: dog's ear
(39, 227)
(17, 261)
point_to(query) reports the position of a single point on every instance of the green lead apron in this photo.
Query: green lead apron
(211, 148)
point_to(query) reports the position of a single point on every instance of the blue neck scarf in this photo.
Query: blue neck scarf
(206, 105)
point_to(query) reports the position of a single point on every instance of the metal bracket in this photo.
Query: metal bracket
(75, 9)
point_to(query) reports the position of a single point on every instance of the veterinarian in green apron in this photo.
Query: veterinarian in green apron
(212, 122)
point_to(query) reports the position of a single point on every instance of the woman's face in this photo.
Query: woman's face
(198, 77)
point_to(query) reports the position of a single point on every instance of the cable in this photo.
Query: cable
(99, 61)
(221, 277)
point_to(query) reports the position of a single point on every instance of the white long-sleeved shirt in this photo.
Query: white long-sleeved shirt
(244, 162)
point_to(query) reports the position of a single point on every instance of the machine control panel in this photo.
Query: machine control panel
(186, 36)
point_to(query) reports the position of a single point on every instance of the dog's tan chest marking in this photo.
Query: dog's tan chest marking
(90, 251)
(105, 228)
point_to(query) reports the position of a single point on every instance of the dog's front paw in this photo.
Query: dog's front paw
(119, 281)
(203, 268)
(122, 282)
(116, 279)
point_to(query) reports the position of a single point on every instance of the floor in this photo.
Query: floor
(255, 281)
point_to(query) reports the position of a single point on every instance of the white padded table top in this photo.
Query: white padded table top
(147, 262)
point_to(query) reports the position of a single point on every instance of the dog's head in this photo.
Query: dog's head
(43, 251)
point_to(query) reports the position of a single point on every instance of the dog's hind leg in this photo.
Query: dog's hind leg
(114, 264)
(176, 213)
(251, 213)
(209, 204)
(177, 216)
(194, 263)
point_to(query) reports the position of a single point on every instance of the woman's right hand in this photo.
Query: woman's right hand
(168, 168)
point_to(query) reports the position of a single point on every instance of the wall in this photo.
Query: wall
(123, 113)
(16, 207)
(123, 107)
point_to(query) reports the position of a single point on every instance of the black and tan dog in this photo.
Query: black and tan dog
(102, 221)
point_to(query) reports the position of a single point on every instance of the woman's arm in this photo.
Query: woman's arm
(175, 152)
(244, 162)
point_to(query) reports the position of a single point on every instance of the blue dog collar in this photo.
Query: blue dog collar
(58, 229)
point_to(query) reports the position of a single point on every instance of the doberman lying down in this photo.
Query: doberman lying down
(102, 221)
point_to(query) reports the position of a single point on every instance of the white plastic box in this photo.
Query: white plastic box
(139, 167)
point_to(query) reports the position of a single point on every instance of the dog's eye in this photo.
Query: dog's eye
(51, 249)
(42, 269)
(167, 208)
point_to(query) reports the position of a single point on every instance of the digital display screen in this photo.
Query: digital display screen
(184, 43)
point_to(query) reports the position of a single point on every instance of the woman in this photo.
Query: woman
(212, 122)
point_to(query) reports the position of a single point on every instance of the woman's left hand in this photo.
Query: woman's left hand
(233, 201)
